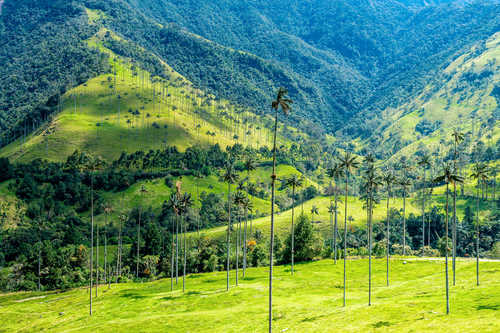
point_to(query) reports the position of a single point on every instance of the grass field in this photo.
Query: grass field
(311, 301)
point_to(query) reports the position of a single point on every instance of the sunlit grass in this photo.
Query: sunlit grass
(311, 301)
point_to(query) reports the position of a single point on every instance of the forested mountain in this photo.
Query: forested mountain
(343, 61)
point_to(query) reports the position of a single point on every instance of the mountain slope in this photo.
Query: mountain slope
(132, 109)
(342, 61)
(463, 96)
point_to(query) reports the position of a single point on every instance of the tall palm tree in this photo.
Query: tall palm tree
(108, 209)
(480, 174)
(247, 207)
(174, 204)
(371, 182)
(250, 165)
(405, 183)
(283, 102)
(457, 138)
(91, 164)
(230, 177)
(335, 173)
(425, 163)
(449, 177)
(185, 203)
(348, 162)
(388, 179)
(239, 200)
(294, 182)
(123, 218)
(143, 191)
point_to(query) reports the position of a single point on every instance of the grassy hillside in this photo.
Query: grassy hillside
(311, 301)
(460, 97)
(129, 110)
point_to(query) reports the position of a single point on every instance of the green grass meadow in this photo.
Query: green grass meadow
(310, 301)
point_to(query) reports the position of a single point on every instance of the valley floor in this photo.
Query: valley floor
(310, 301)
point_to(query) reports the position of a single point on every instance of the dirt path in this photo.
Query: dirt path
(29, 298)
(458, 259)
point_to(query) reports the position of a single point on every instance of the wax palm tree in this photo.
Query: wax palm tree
(247, 207)
(185, 203)
(348, 162)
(424, 162)
(91, 164)
(174, 203)
(122, 218)
(449, 177)
(335, 173)
(388, 179)
(457, 138)
(405, 183)
(283, 102)
(250, 165)
(230, 177)
(142, 192)
(239, 200)
(108, 209)
(294, 182)
(480, 174)
(314, 211)
(371, 183)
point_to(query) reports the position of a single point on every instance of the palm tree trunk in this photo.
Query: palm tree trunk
(345, 233)
(91, 235)
(370, 250)
(335, 231)
(245, 243)
(388, 235)
(404, 223)
(238, 245)
(176, 249)
(185, 258)
(331, 226)
(39, 254)
(477, 238)
(138, 243)
(293, 230)
(454, 226)
(271, 245)
(105, 248)
(446, 255)
(454, 230)
(172, 259)
(118, 251)
(228, 237)
(97, 260)
(423, 214)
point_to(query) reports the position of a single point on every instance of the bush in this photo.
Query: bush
(305, 243)
(428, 251)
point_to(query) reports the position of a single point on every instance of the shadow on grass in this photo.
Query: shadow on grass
(193, 293)
(381, 324)
(310, 319)
(133, 296)
(495, 307)
(249, 278)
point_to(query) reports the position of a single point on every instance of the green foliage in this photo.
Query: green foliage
(304, 242)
